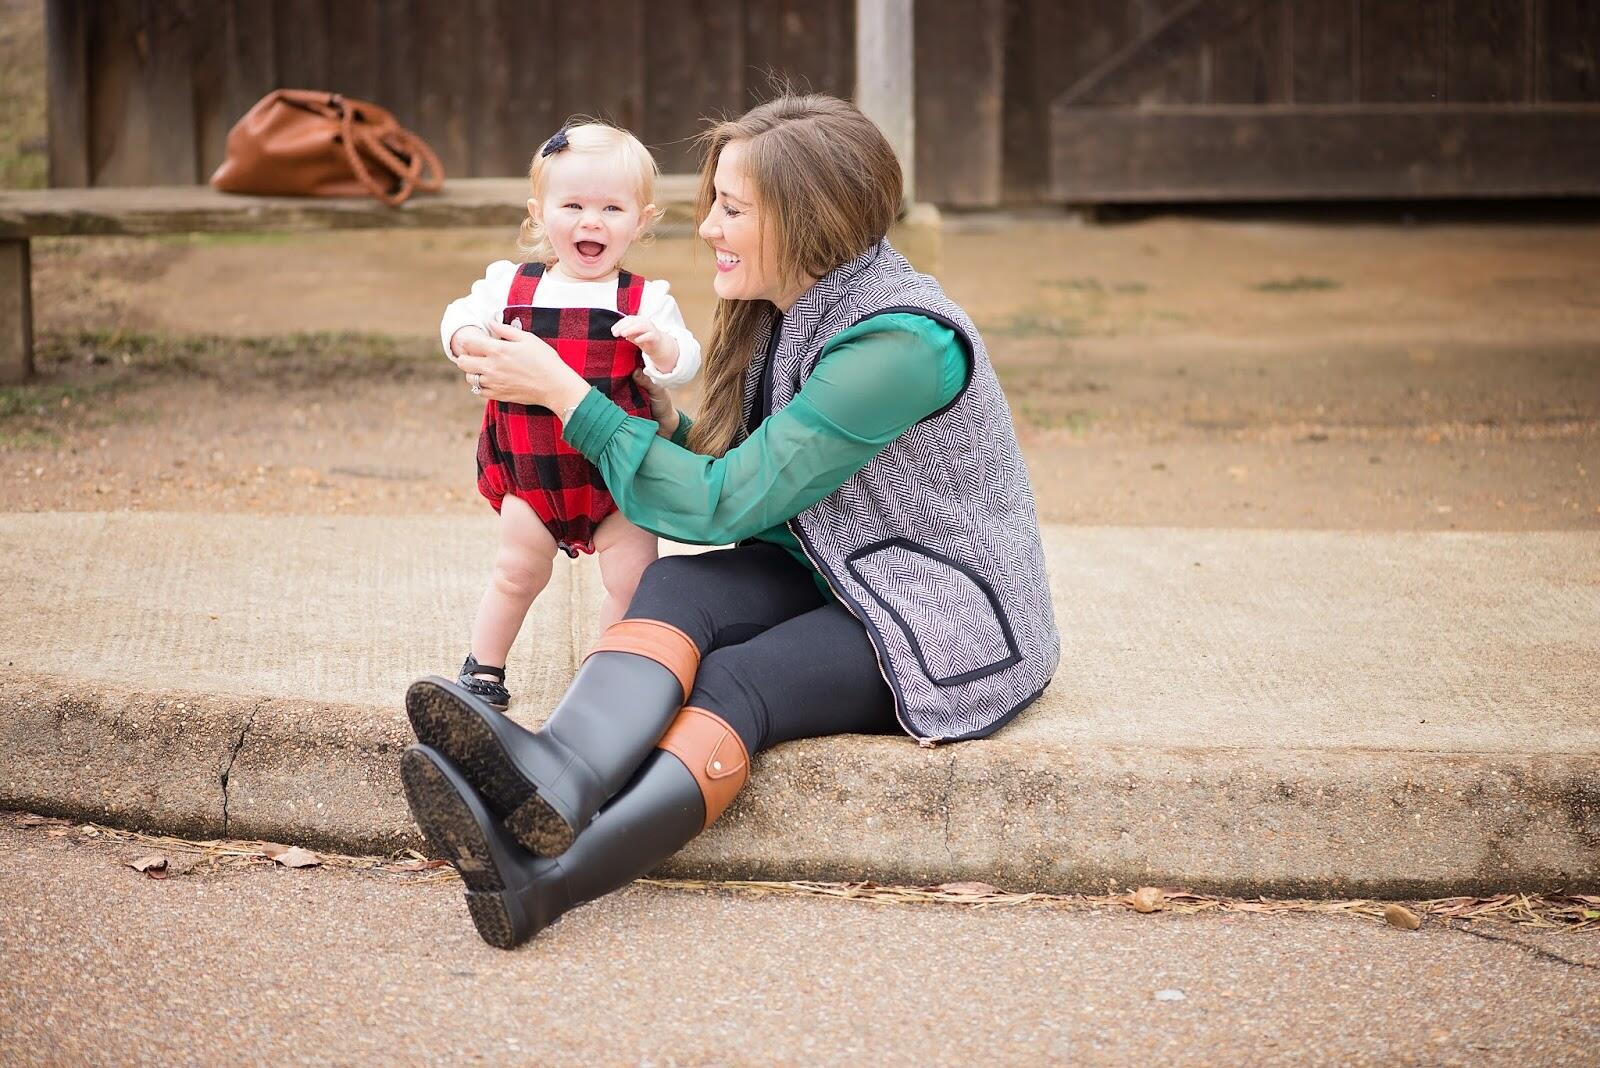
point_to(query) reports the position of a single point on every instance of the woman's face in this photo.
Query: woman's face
(747, 267)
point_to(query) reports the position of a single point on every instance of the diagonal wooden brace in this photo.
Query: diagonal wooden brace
(16, 312)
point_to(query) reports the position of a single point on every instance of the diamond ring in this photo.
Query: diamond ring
(477, 383)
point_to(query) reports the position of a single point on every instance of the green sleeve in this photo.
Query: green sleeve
(874, 382)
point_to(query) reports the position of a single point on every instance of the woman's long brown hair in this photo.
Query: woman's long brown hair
(827, 187)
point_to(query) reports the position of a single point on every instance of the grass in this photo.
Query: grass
(24, 145)
(84, 376)
(28, 439)
(1042, 415)
(1300, 283)
(286, 360)
(1034, 324)
(1049, 396)
(1078, 307)
(227, 238)
(1094, 285)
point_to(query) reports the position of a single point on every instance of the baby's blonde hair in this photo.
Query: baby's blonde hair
(588, 136)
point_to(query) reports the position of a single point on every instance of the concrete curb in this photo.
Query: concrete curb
(1059, 817)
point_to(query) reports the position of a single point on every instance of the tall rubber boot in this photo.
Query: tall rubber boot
(548, 784)
(512, 894)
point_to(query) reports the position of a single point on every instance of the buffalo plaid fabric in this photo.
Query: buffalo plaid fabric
(520, 450)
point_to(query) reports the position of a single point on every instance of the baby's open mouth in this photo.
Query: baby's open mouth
(590, 249)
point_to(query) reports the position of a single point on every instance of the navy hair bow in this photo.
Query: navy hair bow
(557, 142)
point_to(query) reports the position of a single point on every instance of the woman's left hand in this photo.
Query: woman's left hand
(521, 368)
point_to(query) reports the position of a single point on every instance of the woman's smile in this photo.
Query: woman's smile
(732, 229)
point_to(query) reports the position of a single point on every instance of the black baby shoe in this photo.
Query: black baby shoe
(491, 690)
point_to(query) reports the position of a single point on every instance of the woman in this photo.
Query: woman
(855, 445)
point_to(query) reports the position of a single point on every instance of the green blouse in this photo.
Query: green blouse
(873, 383)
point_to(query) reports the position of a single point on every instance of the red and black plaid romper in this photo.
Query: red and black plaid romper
(520, 450)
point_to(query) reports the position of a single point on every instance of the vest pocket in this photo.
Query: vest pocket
(955, 624)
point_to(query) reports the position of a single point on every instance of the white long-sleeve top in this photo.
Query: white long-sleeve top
(488, 299)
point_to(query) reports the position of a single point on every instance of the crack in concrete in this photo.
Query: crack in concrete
(1537, 951)
(949, 793)
(238, 744)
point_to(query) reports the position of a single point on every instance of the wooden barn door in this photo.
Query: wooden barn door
(1299, 99)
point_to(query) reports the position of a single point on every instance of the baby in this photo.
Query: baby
(593, 187)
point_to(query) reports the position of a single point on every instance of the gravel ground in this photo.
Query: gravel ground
(1176, 371)
(106, 966)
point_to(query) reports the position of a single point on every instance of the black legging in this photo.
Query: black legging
(778, 659)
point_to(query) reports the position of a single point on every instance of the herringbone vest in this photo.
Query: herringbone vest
(934, 545)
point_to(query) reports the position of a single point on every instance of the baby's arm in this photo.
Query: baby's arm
(478, 309)
(671, 352)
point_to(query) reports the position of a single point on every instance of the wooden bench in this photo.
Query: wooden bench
(142, 212)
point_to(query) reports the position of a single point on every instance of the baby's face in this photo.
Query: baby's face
(591, 212)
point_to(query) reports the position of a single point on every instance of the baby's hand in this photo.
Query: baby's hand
(661, 347)
(467, 342)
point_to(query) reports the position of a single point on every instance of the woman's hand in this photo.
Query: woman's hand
(662, 408)
(516, 366)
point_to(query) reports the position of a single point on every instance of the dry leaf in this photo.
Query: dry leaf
(296, 857)
(30, 820)
(1401, 917)
(273, 850)
(1147, 899)
(969, 889)
(154, 865)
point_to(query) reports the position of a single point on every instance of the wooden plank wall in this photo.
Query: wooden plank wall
(1274, 54)
(143, 91)
(1348, 98)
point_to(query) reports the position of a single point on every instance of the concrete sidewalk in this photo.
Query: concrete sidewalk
(1236, 711)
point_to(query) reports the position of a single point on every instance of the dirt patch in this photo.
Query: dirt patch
(1175, 370)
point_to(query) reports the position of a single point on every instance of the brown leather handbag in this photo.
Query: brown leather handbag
(301, 142)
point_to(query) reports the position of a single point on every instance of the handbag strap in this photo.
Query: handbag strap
(419, 169)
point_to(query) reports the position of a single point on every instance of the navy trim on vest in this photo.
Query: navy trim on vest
(854, 607)
(911, 635)
(879, 647)
(984, 732)
(953, 327)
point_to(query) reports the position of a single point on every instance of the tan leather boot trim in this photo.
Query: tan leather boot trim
(712, 752)
(661, 642)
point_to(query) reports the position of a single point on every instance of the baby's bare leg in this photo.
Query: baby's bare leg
(624, 551)
(521, 569)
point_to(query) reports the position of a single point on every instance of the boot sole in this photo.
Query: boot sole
(440, 722)
(540, 828)
(448, 823)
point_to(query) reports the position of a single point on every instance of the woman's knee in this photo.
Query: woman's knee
(723, 686)
(674, 589)
(673, 574)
